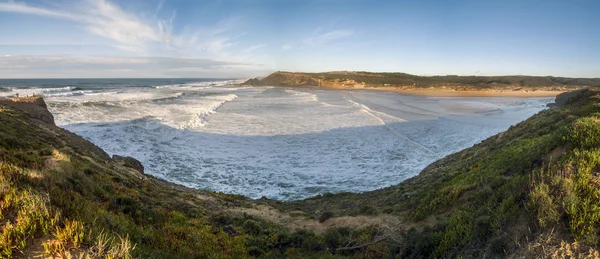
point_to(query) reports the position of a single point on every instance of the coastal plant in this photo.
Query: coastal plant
(543, 205)
(54, 247)
(73, 233)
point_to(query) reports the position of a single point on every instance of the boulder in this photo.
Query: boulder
(129, 162)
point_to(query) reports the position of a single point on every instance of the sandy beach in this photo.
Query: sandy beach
(433, 92)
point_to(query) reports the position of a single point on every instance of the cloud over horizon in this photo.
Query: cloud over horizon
(150, 40)
(316, 36)
(165, 66)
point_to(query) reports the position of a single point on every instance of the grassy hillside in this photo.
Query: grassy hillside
(369, 79)
(61, 195)
(532, 190)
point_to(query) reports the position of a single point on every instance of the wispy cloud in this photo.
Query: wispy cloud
(317, 38)
(255, 47)
(68, 63)
(14, 7)
(108, 20)
(115, 66)
(159, 6)
(130, 48)
(208, 40)
(139, 35)
(129, 31)
(327, 37)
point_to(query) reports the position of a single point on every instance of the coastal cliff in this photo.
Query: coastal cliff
(531, 191)
(403, 81)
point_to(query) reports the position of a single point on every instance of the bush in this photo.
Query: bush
(585, 133)
(482, 228)
(252, 227)
(332, 238)
(497, 245)
(255, 251)
(312, 244)
(325, 216)
(543, 206)
(365, 210)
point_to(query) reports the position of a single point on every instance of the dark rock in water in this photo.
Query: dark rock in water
(34, 106)
(129, 162)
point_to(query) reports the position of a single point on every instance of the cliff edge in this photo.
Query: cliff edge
(34, 106)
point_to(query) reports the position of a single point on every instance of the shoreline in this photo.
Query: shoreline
(432, 92)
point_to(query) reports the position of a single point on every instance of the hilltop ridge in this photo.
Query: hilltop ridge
(403, 81)
(531, 191)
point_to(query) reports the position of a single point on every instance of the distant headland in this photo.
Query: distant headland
(449, 85)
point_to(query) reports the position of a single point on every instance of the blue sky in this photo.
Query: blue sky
(244, 38)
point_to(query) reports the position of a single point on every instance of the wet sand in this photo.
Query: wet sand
(436, 92)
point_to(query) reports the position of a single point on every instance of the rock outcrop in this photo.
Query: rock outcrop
(129, 162)
(34, 106)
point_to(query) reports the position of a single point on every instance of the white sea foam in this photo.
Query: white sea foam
(202, 85)
(201, 118)
(72, 93)
(283, 143)
(34, 91)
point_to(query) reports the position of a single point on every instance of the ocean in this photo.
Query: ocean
(281, 143)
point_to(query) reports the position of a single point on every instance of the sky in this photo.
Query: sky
(249, 38)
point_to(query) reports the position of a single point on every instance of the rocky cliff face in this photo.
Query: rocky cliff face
(34, 106)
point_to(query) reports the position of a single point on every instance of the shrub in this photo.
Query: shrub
(585, 133)
(325, 216)
(497, 245)
(255, 251)
(366, 210)
(482, 228)
(72, 233)
(543, 206)
(312, 244)
(332, 238)
(252, 227)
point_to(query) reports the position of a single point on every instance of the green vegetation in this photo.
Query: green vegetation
(371, 79)
(532, 190)
(540, 175)
(61, 195)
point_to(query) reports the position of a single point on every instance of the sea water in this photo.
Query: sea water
(282, 143)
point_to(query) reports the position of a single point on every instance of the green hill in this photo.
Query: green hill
(371, 79)
(532, 191)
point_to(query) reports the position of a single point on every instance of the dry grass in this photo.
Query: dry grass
(299, 221)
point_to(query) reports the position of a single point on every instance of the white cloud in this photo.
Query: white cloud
(108, 20)
(286, 46)
(20, 66)
(130, 48)
(71, 63)
(159, 6)
(135, 34)
(13, 7)
(255, 47)
(325, 38)
(105, 19)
